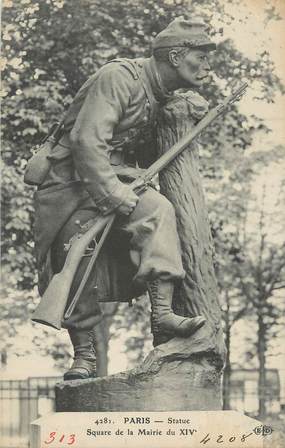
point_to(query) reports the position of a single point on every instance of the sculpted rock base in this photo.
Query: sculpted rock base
(181, 375)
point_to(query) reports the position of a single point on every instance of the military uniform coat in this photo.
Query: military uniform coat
(115, 111)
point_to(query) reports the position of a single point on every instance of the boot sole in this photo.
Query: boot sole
(78, 376)
(192, 330)
(182, 334)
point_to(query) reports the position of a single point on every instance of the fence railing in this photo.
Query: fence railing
(22, 401)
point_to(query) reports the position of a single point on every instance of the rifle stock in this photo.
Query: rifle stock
(51, 309)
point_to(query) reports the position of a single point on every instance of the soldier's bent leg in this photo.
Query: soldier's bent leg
(154, 243)
(155, 249)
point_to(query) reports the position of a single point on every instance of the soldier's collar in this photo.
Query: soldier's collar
(160, 92)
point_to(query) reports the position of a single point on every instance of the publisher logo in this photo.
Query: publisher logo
(263, 430)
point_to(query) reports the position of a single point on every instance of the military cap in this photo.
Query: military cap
(184, 33)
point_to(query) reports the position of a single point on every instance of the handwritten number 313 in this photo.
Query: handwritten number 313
(52, 436)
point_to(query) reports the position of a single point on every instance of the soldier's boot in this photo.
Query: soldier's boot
(84, 364)
(165, 324)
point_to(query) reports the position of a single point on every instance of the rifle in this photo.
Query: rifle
(51, 309)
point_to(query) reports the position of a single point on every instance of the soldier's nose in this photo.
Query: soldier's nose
(207, 66)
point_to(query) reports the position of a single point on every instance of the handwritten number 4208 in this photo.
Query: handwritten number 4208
(70, 438)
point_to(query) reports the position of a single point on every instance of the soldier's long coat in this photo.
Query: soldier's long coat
(116, 108)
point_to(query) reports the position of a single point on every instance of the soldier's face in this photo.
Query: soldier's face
(193, 68)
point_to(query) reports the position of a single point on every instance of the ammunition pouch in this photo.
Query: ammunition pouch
(38, 166)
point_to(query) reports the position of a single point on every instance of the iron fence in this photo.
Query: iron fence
(22, 401)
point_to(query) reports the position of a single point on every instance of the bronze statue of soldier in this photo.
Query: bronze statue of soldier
(107, 139)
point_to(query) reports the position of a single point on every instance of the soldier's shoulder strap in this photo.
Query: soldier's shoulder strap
(134, 66)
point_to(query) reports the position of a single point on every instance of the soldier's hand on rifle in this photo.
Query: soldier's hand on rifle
(128, 204)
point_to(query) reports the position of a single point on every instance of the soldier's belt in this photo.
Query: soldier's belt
(123, 157)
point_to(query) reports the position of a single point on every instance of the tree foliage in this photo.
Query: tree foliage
(51, 47)
(250, 257)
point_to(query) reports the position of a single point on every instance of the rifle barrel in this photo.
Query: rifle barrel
(176, 149)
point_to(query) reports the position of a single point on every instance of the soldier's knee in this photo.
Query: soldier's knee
(162, 204)
(166, 207)
(152, 203)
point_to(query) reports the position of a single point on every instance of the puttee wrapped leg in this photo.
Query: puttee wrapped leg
(84, 364)
(165, 324)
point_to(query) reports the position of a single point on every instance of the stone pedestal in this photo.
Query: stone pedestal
(212, 429)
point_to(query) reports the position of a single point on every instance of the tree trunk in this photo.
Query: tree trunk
(261, 305)
(227, 369)
(261, 348)
(181, 184)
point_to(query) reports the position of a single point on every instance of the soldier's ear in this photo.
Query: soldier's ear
(173, 58)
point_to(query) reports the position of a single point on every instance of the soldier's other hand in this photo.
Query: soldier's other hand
(129, 203)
